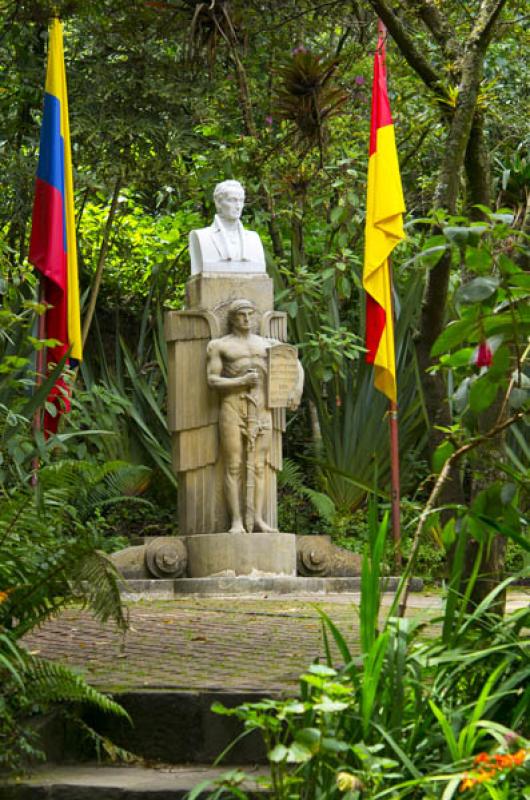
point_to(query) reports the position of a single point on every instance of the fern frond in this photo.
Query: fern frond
(95, 580)
(102, 743)
(49, 682)
(291, 475)
(323, 504)
(11, 659)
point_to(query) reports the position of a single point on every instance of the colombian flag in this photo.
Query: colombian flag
(53, 245)
(384, 229)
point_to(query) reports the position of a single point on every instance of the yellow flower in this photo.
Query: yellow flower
(3, 597)
(347, 782)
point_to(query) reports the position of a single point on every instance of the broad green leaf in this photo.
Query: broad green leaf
(322, 670)
(329, 706)
(459, 359)
(521, 280)
(454, 334)
(449, 533)
(478, 259)
(309, 737)
(518, 398)
(505, 219)
(464, 234)
(477, 290)
(293, 708)
(482, 394)
(500, 364)
(278, 754)
(297, 753)
(441, 454)
(333, 745)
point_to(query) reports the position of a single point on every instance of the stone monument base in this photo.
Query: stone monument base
(232, 555)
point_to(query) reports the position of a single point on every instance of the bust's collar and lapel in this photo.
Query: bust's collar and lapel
(219, 239)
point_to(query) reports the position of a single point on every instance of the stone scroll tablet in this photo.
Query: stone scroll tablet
(282, 377)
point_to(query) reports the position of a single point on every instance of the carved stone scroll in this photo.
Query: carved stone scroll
(282, 374)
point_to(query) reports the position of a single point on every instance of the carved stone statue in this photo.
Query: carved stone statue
(231, 376)
(237, 369)
(226, 246)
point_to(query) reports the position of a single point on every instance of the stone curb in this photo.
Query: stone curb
(95, 782)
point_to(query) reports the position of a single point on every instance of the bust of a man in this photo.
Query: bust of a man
(225, 246)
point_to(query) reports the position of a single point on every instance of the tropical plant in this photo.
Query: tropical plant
(308, 95)
(401, 715)
(50, 512)
(49, 559)
(352, 445)
(128, 394)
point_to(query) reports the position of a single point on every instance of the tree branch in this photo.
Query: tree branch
(406, 44)
(101, 260)
(437, 24)
(441, 480)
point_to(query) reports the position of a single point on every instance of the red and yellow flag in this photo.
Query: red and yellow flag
(384, 229)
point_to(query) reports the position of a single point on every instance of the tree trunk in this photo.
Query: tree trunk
(477, 166)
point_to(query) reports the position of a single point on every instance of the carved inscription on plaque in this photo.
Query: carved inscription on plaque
(282, 374)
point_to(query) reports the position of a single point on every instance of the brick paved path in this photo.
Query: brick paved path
(255, 643)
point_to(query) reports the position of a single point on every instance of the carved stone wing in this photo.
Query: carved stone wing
(274, 326)
(193, 407)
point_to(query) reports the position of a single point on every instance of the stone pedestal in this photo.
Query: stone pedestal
(214, 292)
(241, 554)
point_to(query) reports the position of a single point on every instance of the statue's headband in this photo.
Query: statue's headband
(239, 305)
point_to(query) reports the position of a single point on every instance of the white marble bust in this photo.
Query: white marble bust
(225, 246)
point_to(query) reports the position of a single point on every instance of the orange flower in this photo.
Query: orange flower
(466, 783)
(489, 766)
(3, 596)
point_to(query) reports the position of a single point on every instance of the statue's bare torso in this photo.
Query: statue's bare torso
(240, 356)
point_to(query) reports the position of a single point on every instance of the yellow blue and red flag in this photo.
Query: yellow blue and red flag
(53, 243)
(385, 207)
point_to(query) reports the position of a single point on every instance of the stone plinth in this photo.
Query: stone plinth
(241, 554)
(214, 292)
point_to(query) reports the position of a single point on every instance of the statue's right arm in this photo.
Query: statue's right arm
(214, 369)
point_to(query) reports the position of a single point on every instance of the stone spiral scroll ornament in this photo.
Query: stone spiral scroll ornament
(166, 557)
(314, 556)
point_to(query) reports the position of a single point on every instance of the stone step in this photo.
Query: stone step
(96, 782)
(316, 588)
(171, 727)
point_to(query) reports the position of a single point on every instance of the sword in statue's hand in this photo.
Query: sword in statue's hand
(251, 435)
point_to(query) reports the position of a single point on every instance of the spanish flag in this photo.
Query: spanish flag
(52, 247)
(384, 229)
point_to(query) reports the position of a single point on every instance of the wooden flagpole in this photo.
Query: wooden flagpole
(40, 364)
(393, 416)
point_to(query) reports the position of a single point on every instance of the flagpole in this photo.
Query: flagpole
(40, 362)
(393, 421)
(394, 481)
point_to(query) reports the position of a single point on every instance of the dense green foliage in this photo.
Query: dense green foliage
(167, 97)
(279, 98)
(407, 716)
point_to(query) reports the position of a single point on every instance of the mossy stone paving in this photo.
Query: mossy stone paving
(212, 643)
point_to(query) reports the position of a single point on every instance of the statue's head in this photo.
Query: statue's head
(240, 312)
(229, 199)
